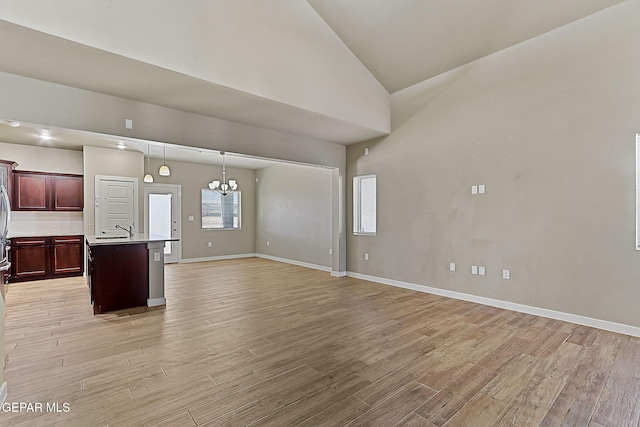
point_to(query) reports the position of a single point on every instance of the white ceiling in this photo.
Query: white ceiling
(404, 42)
(401, 42)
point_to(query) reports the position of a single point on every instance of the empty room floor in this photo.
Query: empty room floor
(257, 342)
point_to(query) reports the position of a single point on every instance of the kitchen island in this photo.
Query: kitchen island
(125, 272)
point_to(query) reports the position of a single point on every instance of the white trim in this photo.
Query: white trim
(537, 311)
(339, 273)
(294, 262)
(3, 392)
(154, 302)
(216, 258)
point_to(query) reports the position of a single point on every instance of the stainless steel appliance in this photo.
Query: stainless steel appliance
(5, 218)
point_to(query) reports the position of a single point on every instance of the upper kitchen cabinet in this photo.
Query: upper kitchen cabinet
(32, 191)
(6, 174)
(67, 193)
(41, 191)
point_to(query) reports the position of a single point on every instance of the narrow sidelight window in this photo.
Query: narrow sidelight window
(364, 205)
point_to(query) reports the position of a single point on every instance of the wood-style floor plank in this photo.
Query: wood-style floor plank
(261, 343)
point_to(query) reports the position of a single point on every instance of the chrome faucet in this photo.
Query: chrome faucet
(128, 230)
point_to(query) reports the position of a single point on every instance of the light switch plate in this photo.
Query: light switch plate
(191, 218)
(156, 256)
(452, 266)
(128, 123)
(474, 269)
(474, 189)
(481, 188)
(481, 271)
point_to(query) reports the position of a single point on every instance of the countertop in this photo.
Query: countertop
(93, 240)
(36, 234)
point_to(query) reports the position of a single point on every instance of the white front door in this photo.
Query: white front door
(162, 208)
(116, 204)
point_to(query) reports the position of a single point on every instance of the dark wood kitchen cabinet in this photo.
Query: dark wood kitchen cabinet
(42, 191)
(67, 257)
(37, 258)
(67, 193)
(29, 258)
(6, 175)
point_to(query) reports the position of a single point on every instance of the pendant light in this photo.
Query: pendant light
(164, 169)
(147, 177)
(224, 188)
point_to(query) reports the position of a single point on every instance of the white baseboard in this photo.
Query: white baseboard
(216, 258)
(339, 273)
(154, 302)
(3, 392)
(537, 311)
(294, 262)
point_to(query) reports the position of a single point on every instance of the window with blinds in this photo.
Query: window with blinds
(638, 191)
(364, 205)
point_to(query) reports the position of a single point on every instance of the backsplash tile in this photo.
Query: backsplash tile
(50, 223)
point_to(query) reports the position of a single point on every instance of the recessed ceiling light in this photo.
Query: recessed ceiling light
(121, 145)
(45, 136)
(14, 124)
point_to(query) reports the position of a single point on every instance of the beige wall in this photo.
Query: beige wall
(294, 213)
(42, 159)
(104, 161)
(193, 177)
(548, 126)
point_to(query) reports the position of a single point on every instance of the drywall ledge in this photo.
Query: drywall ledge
(543, 312)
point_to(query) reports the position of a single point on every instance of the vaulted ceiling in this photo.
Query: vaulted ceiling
(404, 42)
(321, 69)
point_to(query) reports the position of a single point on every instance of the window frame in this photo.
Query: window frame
(239, 227)
(357, 205)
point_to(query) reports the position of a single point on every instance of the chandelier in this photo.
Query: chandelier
(223, 188)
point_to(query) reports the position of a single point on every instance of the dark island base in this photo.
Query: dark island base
(118, 276)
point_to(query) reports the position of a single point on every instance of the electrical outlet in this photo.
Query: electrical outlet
(452, 266)
(128, 124)
(191, 218)
(506, 274)
(481, 271)
(366, 257)
(481, 189)
(209, 244)
(474, 269)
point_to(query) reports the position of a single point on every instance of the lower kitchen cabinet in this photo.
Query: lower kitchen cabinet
(37, 258)
(67, 258)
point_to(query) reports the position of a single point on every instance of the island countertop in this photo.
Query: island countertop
(93, 240)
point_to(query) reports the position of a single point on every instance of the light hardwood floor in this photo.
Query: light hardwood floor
(257, 342)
